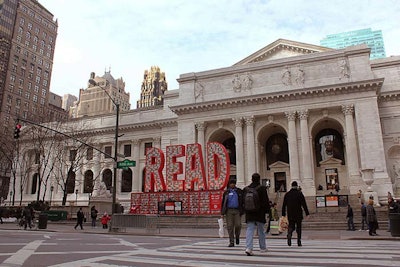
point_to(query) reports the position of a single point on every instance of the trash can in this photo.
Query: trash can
(42, 221)
(394, 224)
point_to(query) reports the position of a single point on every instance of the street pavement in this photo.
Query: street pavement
(68, 226)
(61, 246)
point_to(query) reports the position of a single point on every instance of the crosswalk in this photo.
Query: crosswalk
(216, 253)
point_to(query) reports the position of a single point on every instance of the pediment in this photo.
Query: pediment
(279, 164)
(331, 161)
(282, 48)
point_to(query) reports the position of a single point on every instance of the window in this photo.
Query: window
(89, 153)
(107, 178)
(72, 154)
(88, 182)
(71, 182)
(34, 183)
(107, 151)
(126, 183)
(127, 150)
(147, 146)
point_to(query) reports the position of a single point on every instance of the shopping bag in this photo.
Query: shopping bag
(274, 228)
(283, 224)
(221, 227)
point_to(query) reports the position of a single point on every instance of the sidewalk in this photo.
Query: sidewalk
(68, 227)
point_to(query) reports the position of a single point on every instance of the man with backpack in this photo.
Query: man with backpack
(256, 206)
(294, 201)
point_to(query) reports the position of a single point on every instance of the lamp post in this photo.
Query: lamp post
(51, 193)
(11, 193)
(76, 197)
(114, 191)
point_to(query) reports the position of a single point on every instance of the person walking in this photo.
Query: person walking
(79, 218)
(93, 215)
(294, 203)
(371, 218)
(363, 216)
(256, 206)
(350, 217)
(27, 215)
(232, 209)
(105, 219)
(393, 208)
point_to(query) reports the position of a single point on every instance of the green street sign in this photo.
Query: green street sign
(126, 164)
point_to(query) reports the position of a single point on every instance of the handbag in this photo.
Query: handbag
(221, 227)
(283, 224)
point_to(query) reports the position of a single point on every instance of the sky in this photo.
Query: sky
(127, 37)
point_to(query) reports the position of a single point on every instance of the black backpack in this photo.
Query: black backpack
(251, 199)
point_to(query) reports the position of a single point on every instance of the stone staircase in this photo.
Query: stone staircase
(332, 218)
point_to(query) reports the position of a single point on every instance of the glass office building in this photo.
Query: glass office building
(373, 39)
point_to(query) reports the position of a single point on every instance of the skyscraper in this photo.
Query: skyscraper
(373, 39)
(27, 40)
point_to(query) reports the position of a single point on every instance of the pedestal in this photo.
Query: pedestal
(103, 204)
(374, 195)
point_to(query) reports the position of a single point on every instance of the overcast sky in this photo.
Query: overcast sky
(181, 36)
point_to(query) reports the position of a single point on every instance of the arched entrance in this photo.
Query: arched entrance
(107, 178)
(88, 182)
(227, 139)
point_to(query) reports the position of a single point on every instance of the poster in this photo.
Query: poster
(332, 201)
(320, 201)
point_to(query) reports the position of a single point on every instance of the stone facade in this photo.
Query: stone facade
(290, 111)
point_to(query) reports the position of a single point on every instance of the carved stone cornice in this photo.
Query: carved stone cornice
(287, 95)
(391, 96)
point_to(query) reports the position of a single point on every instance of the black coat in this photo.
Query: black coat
(224, 202)
(259, 215)
(293, 201)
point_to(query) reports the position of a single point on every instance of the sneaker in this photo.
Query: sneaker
(237, 240)
(231, 245)
(249, 252)
(264, 250)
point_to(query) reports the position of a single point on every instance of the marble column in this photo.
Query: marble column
(137, 178)
(201, 126)
(352, 156)
(308, 179)
(241, 181)
(251, 155)
(292, 142)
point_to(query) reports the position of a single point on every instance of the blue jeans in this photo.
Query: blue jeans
(251, 226)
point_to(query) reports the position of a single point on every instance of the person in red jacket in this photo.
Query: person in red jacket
(104, 220)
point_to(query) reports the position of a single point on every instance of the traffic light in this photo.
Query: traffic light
(17, 130)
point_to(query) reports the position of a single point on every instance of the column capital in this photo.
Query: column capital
(238, 121)
(135, 142)
(291, 115)
(250, 121)
(348, 109)
(200, 126)
(303, 114)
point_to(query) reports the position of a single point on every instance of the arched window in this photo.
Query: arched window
(229, 144)
(277, 149)
(88, 182)
(35, 179)
(107, 178)
(328, 144)
(71, 182)
(126, 184)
